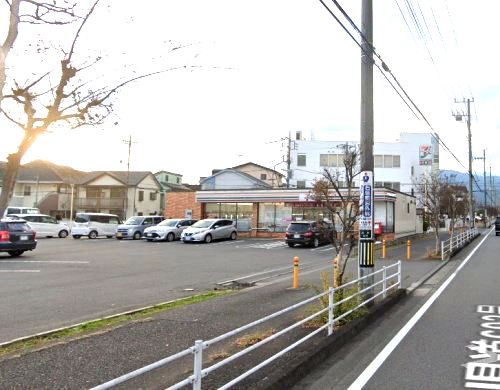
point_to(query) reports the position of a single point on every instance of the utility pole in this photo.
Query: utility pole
(288, 160)
(366, 260)
(484, 181)
(491, 190)
(458, 117)
(129, 142)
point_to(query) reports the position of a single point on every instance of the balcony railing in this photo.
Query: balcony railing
(100, 203)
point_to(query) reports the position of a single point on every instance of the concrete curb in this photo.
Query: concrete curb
(434, 271)
(125, 313)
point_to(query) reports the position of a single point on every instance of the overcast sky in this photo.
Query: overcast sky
(259, 70)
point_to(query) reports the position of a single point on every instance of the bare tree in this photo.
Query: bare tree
(453, 202)
(336, 192)
(430, 189)
(38, 104)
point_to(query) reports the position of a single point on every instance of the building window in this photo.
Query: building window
(166, 178)
(141, 196)
(152, 196)
(396, 161)
(386, 161)
(263, 176)
(117, 193)
(94, 192)
(27, 190)
(412, 170)
(178, 180)
(274, 217)
(301, 184)
(301, 160)
(330, 160)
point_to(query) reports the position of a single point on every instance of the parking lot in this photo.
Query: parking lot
(67, 281)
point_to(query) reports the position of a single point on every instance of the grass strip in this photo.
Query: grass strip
(105, 323)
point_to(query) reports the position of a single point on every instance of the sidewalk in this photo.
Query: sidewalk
(94, 359)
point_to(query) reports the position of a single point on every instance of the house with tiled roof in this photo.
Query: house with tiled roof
(124, 193)
(45, 185)
(52, 188)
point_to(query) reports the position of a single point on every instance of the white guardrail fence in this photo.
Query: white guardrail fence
(457, 241)
(384, 282)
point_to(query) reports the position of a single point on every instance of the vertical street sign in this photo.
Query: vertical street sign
(365, 253)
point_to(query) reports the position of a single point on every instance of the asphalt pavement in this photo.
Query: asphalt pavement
(96, 358)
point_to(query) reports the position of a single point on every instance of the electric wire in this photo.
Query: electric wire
(386, 69)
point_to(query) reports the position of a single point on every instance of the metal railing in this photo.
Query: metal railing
(457, 241)
(387, 281)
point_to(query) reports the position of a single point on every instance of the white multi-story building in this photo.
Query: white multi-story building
(397, 165)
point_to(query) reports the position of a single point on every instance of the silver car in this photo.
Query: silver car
(167, 230)
(207, 230)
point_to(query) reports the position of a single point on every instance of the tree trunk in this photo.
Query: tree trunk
(338, 274)
(9, 180)
(436, 233)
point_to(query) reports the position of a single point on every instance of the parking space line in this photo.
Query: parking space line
(19, 270)
(45, 261)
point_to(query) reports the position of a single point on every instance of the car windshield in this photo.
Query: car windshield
(81, 218)
(31, 211)
(202, 224)
(169, 222)
(18, 227)
(133, 221)
(298, 227)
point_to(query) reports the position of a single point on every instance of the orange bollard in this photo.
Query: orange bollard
(408, 251)
(295, 272)
(383, 249)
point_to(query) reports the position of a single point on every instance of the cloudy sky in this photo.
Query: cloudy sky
(256, 71)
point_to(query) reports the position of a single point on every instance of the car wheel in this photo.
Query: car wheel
(170, 237)
(291, 244)
(109, 236)
(315, 242)
(137, 236)
(233, 236)
(208, 238)
(76, 237)
(15, 253)
(63, 234)
(93, 234)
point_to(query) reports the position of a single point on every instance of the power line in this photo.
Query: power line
(387, 70)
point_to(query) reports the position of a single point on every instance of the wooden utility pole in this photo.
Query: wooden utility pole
(458, 117)
(366, 260)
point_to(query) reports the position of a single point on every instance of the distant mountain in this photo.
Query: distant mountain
(462, 178)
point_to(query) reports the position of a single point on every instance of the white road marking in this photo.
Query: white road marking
(20, 270)
(44, 261)
(267, 245)
(369, 371)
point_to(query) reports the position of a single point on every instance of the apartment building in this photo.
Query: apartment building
(397, 165)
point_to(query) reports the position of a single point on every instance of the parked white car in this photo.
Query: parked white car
(167, 230)
(45, 225)
(13, 210)
(94, 225)
(207, 230)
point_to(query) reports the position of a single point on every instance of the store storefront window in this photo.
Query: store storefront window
(241, 213)
(274, 217)
(310, 213)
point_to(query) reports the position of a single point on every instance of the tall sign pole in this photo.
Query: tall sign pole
(366, 260)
